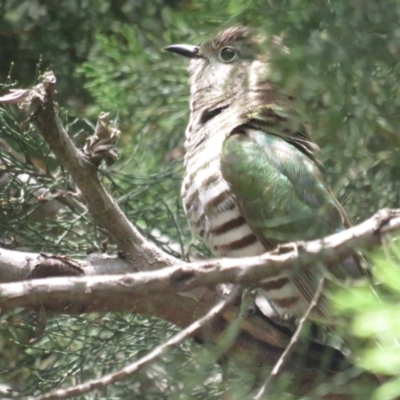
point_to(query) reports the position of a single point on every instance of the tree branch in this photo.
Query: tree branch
(290, 347)
(125, 289)
(82, 166)
(133, 368)
(181, 293)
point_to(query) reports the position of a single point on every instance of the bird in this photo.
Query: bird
(252, 177)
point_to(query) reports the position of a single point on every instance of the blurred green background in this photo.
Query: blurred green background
(108, 56)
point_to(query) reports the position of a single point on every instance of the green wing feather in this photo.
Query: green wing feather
(282, 196)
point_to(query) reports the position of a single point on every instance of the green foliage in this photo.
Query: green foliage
(82, 348)
(107, 55)
(376, 319)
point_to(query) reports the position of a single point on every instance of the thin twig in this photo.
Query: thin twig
(149, 358)
(290, 347)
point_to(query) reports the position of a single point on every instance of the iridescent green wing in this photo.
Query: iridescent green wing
(282, 196)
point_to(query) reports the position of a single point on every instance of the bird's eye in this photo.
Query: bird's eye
(227, 54)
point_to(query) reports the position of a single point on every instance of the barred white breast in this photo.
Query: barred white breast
(213, 215)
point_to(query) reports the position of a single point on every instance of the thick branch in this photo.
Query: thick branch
(39, 103)
(125, 289)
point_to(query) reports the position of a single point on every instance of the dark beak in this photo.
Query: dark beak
(185, 50)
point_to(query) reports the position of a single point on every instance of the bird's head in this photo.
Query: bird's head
(234, 61)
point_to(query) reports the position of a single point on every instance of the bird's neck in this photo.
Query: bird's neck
(208, 98)
(209, 101)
